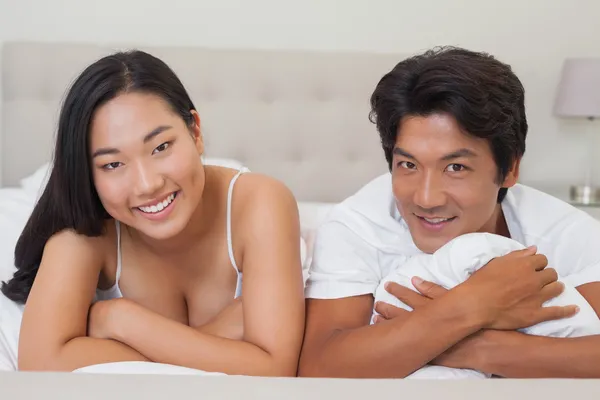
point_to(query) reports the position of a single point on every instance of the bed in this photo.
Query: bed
(301, 117)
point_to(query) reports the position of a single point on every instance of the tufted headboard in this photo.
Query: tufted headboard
(301, 117)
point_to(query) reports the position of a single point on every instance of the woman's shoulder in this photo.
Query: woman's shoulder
(252, 196)
(72, 242)
(258, 191)
(252, 187)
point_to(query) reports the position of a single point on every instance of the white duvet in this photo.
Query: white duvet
(143, 367)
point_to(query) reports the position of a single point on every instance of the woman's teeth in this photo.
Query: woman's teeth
(159, 206)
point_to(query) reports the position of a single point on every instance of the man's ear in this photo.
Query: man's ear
(512, 176)
(197, 133)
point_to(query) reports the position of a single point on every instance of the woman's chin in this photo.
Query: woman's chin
(158, 233)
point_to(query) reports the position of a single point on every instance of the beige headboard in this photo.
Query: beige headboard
(301, 117)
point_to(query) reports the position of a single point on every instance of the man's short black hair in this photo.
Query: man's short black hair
(483, 94)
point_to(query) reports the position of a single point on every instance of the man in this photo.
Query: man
(452, 124)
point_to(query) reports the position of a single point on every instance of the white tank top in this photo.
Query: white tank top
(114, 291)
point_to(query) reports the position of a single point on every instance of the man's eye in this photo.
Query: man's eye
(407, 165)
(456, 167)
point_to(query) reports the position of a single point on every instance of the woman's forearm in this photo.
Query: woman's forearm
(167, 341)
(80, 352)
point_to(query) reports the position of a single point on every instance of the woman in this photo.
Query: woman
(135, 251)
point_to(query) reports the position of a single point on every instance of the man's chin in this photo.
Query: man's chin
(430, 245)
(428, 248)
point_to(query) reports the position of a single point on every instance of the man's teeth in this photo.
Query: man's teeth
(436, 220)
(159, 206)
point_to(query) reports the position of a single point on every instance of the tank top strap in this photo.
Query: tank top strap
(118, 275)
(229, 201)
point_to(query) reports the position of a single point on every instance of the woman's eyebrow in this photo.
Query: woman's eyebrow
(112, 150)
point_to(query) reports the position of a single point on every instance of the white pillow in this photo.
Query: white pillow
(15, 207)
(223, 162)
(312, 214)
(10, 324)
(34, 184)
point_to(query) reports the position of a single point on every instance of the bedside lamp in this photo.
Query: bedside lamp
(578, 96)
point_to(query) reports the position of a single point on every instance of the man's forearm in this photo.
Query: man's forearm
(517, 355)
(392, 349)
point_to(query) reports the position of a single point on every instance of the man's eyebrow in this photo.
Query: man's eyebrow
(459, 154)
(464, 152)
(401, 152)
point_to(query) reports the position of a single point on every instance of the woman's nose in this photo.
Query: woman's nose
(147, 181)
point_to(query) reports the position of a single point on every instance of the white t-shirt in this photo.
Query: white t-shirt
(363, 237)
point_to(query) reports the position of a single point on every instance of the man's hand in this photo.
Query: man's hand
(427, 292)
(470, 352)
(465, 354)
(510, 291)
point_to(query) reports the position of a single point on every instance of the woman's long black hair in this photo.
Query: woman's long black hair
(70, 200)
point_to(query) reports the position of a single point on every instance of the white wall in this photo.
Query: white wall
(532, 35)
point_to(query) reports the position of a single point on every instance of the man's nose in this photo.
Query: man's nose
(430, 193)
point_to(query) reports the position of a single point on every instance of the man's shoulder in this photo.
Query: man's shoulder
(354, 244)
(528, 196)
(545, 218)
(536, 209)
(567, 236)
(371, 214)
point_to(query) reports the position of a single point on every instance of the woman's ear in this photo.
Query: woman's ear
(196, 132)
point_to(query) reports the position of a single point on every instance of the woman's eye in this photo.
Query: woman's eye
(456, 167)
(407, 165)
(161, 147)
(112, 165)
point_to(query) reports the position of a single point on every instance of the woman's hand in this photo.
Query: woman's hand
(104, 316)
(229, 323)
